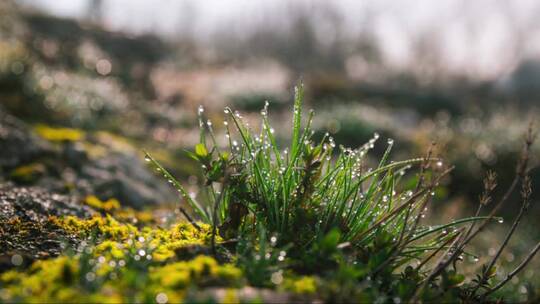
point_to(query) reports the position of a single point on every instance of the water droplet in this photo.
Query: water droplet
(90, 276)
(390, 141)
(201, 109)
(147, 158)
(277, 277)
(500, 220)
(16, 260)
(162, 298)
(439, 164)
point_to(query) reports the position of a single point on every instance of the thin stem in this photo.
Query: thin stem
(529, 257)
(435, 271)
(214, 214)
(190, 220)
(521, 170)
(526, 191)
(434, 253)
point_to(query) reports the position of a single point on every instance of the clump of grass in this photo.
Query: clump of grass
(331, 211)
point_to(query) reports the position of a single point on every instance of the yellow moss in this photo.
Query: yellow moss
(229, 272)
(114, 142)
(181, 274)
(106, 226)
(110, 248)
(230, 297)
(59, 134)
(108, 205)
(129, 215)
(45, 279)
(164, 242)
(27, 173)
(302, 285)
(113, 262)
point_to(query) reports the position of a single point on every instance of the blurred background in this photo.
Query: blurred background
(110, 78)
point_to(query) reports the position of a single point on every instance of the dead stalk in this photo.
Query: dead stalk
(526, 194)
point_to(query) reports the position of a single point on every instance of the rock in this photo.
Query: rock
(125, 178)
(19, 145)
(67, 167)
(36, 204)
(25, 229)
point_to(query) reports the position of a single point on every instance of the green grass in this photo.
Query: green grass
(338, 217)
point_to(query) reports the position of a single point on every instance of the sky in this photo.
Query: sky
(482, 37)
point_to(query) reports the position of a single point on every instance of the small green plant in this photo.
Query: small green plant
(332, 210)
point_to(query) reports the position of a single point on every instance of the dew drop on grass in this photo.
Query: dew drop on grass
(500, 220)
(147, 158)
(201, 109)
(390, 141)
(90, 276)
